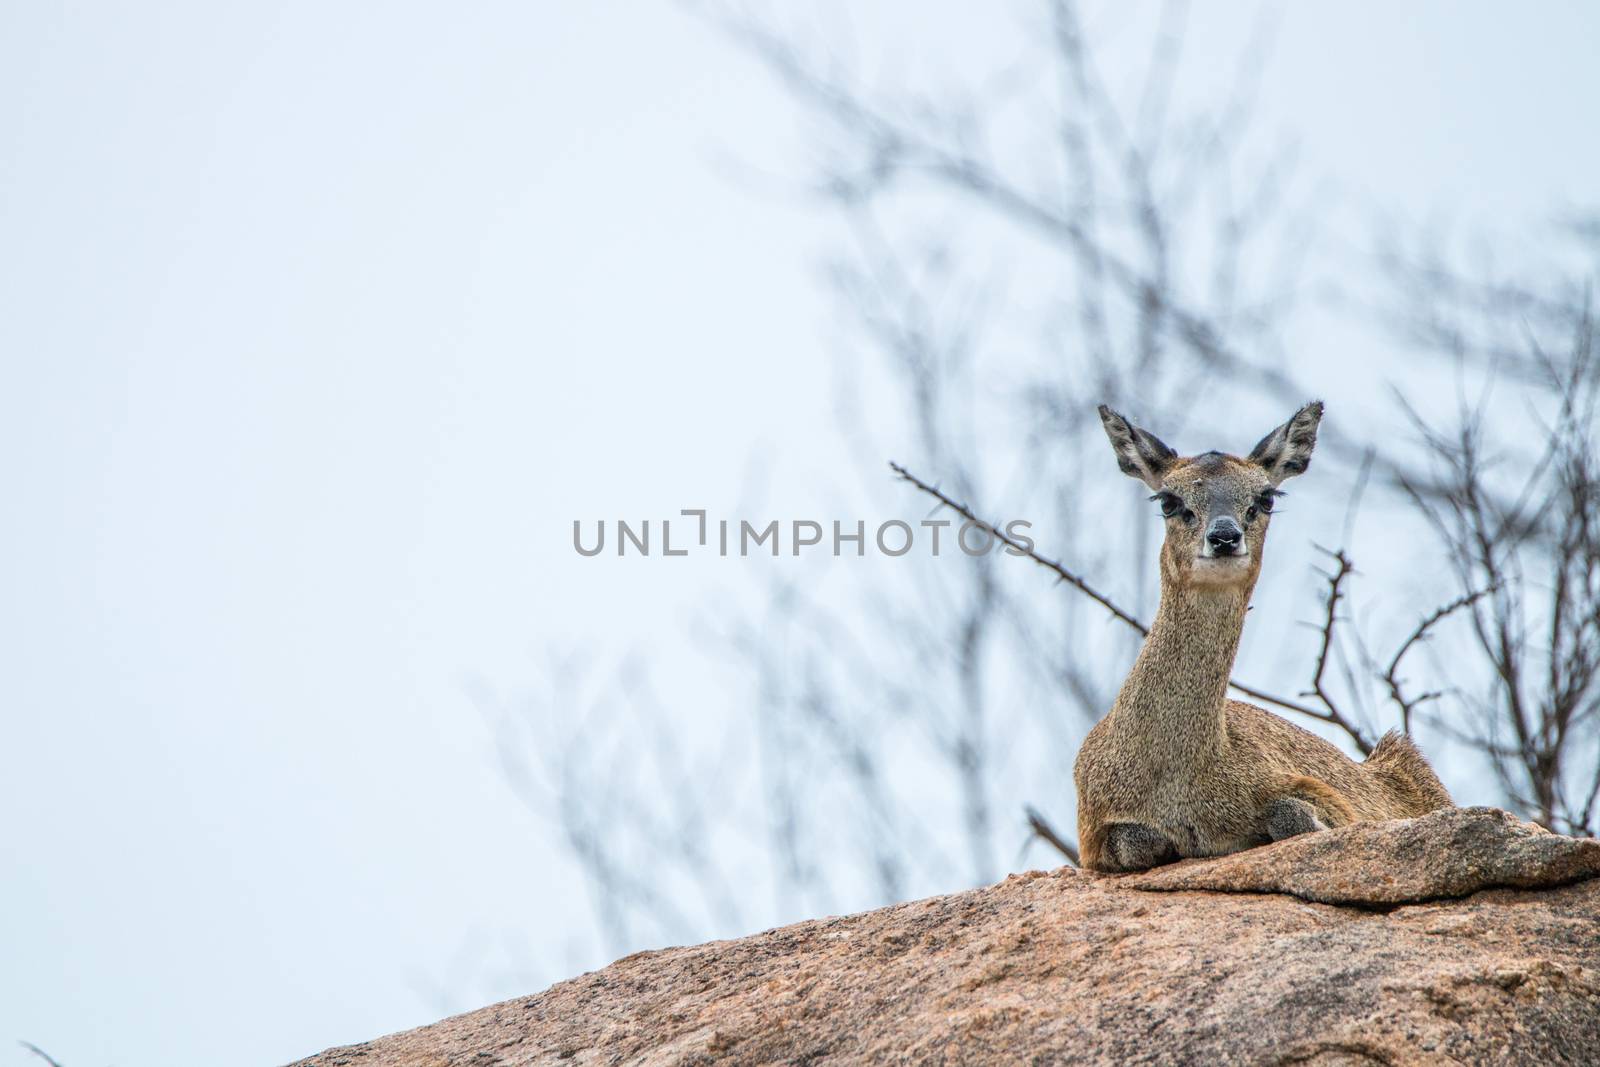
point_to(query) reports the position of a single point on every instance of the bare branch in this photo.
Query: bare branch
(1072, 579)
(39, 1052)
(1342, 570)
(1045, 832)
(1391, 676)
(1060, 571)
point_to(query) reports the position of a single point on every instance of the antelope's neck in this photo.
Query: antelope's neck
(1180, 679)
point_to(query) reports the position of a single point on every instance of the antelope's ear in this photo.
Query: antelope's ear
(1286, 451)
(1140, 453)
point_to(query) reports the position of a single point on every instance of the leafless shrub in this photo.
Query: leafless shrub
(1517, 520)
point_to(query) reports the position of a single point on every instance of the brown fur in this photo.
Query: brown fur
(1174, 755)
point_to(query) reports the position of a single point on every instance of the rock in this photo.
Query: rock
(1432, 967)
(1446, 853)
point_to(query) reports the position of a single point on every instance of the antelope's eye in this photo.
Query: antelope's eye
(1171, 503)
(1264, 502)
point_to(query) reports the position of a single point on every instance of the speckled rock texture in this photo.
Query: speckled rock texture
(1462, 937)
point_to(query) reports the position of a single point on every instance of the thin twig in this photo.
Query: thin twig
(1066, 575)
(1045, 832)
(1335, 594)
(1061, 572)
(1391, 676)
(1291, 705)
(39, 1052)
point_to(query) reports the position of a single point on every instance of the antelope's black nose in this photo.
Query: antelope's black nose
(1224, 537)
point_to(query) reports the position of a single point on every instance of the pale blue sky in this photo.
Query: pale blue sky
(320, 324)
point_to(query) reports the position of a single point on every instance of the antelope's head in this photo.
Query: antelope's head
(1217, 506)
